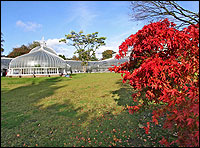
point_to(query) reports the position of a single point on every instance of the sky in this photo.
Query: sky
(23, 22)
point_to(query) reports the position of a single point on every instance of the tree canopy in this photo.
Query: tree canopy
(62, 56)
(23, 49)
(75, 58)
(107, 54)
(33, 45)
(86, 45)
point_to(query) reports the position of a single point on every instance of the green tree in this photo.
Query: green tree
(107, 54)
(86, 45)
(33, 45)
(2, 40)
(94, 58)
(62, 56)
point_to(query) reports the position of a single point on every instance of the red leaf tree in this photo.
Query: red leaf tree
(164, 65)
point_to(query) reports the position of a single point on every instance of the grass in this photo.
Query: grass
(87, 110)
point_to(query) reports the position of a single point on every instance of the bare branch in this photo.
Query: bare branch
(154, 10)
(181, 12)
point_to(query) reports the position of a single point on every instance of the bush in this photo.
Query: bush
(164, 67)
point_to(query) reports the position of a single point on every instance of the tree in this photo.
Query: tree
(86, 45)
(33, 45)
(62, 56)
(107, 54)
(2, 40)
(19, 51)
(75, 58)
(156, 10)
(23, 49)
(167, 75)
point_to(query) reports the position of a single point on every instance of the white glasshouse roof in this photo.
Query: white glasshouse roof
(38, 57)
(45, 48)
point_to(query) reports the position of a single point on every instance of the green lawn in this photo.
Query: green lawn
(86, 110)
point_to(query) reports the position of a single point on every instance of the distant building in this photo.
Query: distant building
(95, 66)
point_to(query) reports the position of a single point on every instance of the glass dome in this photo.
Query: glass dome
(41, 61)
(38, 58)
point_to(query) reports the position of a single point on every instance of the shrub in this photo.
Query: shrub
(164, 66)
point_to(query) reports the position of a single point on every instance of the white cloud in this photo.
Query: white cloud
(65, 50)
(54, 42)
(28, 26)
(60, 47)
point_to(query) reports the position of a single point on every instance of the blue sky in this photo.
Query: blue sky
(23, 22)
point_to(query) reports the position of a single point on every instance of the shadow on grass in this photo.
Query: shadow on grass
(124, 94)
(18, 105)
(141, 118)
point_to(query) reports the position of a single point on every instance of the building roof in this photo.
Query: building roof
(5, 62)
(45, 48)
(38, 57)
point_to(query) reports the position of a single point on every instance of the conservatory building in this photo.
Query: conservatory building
(40, 61)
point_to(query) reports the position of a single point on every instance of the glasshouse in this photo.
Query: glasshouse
(40, 61)
(43, 61)
(94, 66)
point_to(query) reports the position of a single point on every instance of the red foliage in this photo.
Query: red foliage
(147, 128)
(168, 73)
(19, 51)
